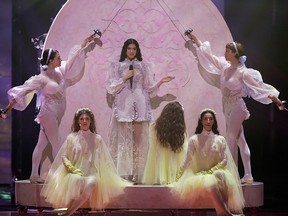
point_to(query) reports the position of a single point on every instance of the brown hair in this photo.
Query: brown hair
(170, 127)
(75, 125)
(239, 46)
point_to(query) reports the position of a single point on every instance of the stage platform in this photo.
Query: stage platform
(136, 197)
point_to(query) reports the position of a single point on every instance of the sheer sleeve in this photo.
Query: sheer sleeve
(256, 88)
(150, 85)
(58, 162)
(23, 94)
(211, 65)
(210, 62)
(114, 82)
(223, 154)
(190, 152)
(110, 184)
(56, 189)
(73, 69)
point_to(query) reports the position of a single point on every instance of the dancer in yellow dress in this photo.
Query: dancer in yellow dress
(167, 145)
(209, 169)
(83, 170)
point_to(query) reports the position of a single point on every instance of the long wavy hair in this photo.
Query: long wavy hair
(199, 127)
(75, 125)
(170, 127)
(125, 47)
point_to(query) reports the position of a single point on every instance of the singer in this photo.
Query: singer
(131, 110)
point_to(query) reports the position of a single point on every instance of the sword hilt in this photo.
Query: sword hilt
(188, 31)
(98, 32)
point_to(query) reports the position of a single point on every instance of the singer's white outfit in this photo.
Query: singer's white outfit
(52, 85)
(234, 84)
(130, 105)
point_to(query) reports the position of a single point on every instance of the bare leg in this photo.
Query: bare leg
(218, 202)
(90, 184)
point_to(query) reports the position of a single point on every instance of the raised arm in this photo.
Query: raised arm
(194, 38)
(87, 40)
(73, 69)
(211, 66)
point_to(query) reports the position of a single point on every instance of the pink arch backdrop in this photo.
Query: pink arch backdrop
(149, 22)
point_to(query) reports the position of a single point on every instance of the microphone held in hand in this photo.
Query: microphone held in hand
(131, 78)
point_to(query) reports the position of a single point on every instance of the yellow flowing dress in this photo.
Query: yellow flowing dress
(205, 151)
(87, 152)
(162, 163)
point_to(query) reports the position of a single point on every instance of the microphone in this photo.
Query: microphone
(131, 78)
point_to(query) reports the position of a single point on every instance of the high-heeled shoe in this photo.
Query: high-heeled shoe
(36, 179)
(247, 179)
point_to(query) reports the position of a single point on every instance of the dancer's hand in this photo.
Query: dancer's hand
(194, 38)
(167, 79)
(88, 40)
(281, 105)
(3, 114)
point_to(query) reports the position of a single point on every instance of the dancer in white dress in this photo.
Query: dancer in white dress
(235, 81)
(55, 77)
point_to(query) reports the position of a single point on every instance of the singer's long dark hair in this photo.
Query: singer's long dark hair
(125, 47)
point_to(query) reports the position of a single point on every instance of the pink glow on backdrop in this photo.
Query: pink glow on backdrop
(160, 42)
